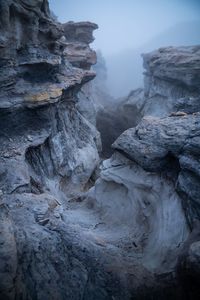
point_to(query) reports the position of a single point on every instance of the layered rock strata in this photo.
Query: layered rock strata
(42, 131)
(155, 168)
(122, 238)
(172, 80)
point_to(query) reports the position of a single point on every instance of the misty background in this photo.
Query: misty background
(128, 28)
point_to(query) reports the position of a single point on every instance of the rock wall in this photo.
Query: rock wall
(171, 81)
(42, 131)
(48, 150)
(126, 237)
(152, 180)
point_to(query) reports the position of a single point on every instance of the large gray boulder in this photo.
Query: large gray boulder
(168, 144)
(171, 73)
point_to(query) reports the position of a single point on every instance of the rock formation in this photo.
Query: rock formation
(132, 234)
(159, 160)
(172, 80)
(42, 132)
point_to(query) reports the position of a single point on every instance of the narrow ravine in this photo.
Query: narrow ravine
(97, 200)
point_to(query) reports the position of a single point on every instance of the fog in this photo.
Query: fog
(128, 28)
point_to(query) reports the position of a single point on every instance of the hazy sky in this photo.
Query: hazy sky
(126, 23)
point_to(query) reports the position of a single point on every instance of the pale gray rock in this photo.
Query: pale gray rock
(145, 211)
(35, 64)
(154, 173)
(180, 64)
(59, 239)
(48, 153)
(51, 251)
(94, 98)
(171, 73)
(169, 145)
(44, 137)
(78, 37)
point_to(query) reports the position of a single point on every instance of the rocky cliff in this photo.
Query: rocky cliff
(132, 234)
(43, 69)
(172, 80)
(48, 150)
(171, 84)
(154, 172)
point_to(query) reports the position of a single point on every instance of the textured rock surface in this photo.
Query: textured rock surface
(35, 62)
(53, 251)
(171, 73)
(48, 151)
(159, 159)
(168, 144)
(79, 36)
(146, 208)
(42, 131)
(58, 240)
(171, 83)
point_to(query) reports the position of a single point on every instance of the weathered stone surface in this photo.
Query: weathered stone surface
(158, 160)
(48, 152)
(168, 144)
(119, 240)
(179, 64)
(34, 63)
(94, 98)
(58, 145)
(145, 206)
(163, 93)
(52, 251)
(78, 37)
(171, 73)
(80, 31)
(37, 75)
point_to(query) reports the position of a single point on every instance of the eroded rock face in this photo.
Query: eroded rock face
(168, 144)
(171, 74)
(118, 240)
(155, 170)
(145, 206)
(48, 150)
(171, 83)
(39, 119)
(79, 36)
(35, 62)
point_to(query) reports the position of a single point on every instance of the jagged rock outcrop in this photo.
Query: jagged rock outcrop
(48, 150)
(42, 131)
(155, 168)
(168, 144)
(60, 238)
(79, 36)
(52, 244)
(171, 84)
(171, 80)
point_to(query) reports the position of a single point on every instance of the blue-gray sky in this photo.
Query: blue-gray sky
(126, 24)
